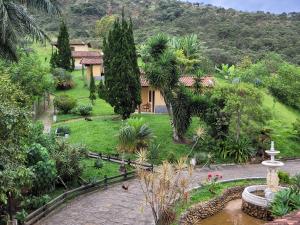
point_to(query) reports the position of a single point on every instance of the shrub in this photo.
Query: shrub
(67, 159)
(36, 153)
(35, 202)
(171, 158)
(284, 177)
(45, 176)
(21, 216)
(63, 130)
(285, 201)
(295, 181)
(153, 152)
(98, 164)
(63, 79)
(83, 110)
(296, 127)
(65, 103)
(240, 151)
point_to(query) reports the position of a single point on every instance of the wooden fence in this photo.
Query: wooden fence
(118, 160)
(61, 199)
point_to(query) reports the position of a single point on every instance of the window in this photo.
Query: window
(150, 96)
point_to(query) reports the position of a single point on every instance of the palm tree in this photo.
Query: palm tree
(16, 23)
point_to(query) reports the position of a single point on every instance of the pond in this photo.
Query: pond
(232, 215)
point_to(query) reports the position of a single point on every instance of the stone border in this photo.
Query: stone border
(203, 210)
(256, 211)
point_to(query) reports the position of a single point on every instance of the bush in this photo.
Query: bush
(34, 202)
(284, 177)
(65, 103)
(172, 157)
(285, 201)
(36, 153)
(45, 176)
(83, 110)
(21, 216)
(296, 127)
(153, 152)
(63, 79)
(240, 151)
(63, 130)
(67, 159)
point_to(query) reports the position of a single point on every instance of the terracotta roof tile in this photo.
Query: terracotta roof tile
(187, 81)
(92, 61)
(86, 54)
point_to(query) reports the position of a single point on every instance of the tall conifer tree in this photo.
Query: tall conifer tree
(92, 87)
(122, 75)
(64, 57)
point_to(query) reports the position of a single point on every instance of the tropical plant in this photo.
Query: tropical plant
(226, 71)
(238, 150)
(16, 23)
(285, 201)
(284, 177)
(65, 103)
(134, 135)
(163, 187)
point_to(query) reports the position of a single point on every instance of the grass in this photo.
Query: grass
(100, 135)
(202, 195)
(81, 93)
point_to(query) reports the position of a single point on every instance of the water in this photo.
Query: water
(232, 215)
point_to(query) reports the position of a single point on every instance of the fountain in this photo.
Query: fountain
(257, 205)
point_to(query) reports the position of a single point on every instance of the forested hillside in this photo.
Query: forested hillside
(228, 34)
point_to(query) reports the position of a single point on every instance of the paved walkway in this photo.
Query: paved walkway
(115, 206)
(47, 116)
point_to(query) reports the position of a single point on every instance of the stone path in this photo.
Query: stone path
(46, 117)
(115, 206)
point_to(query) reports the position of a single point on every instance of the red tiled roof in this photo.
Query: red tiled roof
(187, 81)
(86, 54)
(92, 61)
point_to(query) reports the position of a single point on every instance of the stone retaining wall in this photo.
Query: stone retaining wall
(256, 211)
(204, 210)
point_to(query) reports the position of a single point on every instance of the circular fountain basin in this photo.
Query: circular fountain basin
(249, 196)
(270, 163)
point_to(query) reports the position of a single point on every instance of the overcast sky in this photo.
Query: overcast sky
(274, 6)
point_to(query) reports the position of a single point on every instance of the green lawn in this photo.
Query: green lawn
(81, 93)
(202, 195)
(100, 135)
(281, 124)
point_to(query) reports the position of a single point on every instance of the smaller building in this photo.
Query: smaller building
(79, 55)
(95, 65)
(76, 45)
(152, 99)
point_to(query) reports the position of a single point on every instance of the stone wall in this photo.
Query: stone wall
(256, 211)
(204, 210)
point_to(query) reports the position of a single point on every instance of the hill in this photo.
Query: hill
(228, 34)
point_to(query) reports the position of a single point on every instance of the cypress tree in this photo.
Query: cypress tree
(92, 87)
(64, 57)
(122, 76)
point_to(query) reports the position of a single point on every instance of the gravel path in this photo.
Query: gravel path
(115, 206)
(47, 116)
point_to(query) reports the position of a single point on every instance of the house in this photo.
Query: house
(76, 45)
(95, 64)
(79, 55)
(153, 101)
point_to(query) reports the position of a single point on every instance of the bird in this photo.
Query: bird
(125, 187)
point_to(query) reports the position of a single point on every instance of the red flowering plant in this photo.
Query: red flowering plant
(212, 182)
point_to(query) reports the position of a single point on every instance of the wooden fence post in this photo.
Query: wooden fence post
(105, 181)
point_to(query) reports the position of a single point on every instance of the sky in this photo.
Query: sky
(274, 6)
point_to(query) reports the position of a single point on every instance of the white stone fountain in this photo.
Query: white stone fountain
(251, 200)
(272, 177)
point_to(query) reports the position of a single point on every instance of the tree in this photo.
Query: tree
(104, 25)
(92, 96)
(14, 113)
(16, 23)
(64, 55)
(161, 69)
(122, 77)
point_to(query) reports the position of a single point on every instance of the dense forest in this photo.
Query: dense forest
(227, 34)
